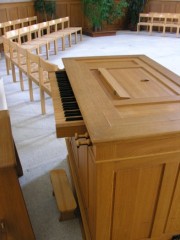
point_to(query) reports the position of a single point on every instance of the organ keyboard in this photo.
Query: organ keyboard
(67, 111)
(121, 117)
(69, 103)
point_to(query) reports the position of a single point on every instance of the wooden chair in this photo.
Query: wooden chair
(7, 53)
(34, 39)
(47, 71)
(44, 33)
(13, 57)
(17, 23)
(13, 35)
(145, 20)
(33, 71)
(158, 20)
(32, 20)
(72, 30)
(172, 22)
(23, 34)
(52, 26)
(8, 26)
(25, 22)
(22, 64)
(60, 34)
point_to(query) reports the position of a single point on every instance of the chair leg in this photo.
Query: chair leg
(75, 37)
(7, 65)
(21, 80)
(63, 43)
(70, 40)
(81, 35)
(42, 97)
(47, 51)
(13, 73)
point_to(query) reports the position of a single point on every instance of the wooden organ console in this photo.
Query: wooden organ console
(14, 219)
(123, 140)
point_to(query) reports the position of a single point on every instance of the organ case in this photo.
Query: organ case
(124, 155)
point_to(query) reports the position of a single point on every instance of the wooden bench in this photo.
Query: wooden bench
(159, 20)
(63, 194)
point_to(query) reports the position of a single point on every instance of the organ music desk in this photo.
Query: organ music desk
(124, 152)
(14, 219)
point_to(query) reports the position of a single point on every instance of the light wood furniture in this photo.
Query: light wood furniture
(126, 165)
(22, 64)
(162, 21)
(145, 20)
(64, 197)
(14, 219)
(13, 57)
(72, 30)
(33, 72)
(46, 71)
(7, 54)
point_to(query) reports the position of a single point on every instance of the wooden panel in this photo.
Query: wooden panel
(12, 207)
(13, 11)
(61, 10)
(76, 15)
(173, 224)
(83, 173)
(23, 12)
(169, 7)
(92, 195)
(155, 6)
(163, 6)
(3, 15)
(134, 205)
(165, 198)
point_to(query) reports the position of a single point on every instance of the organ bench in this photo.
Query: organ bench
(124, 145)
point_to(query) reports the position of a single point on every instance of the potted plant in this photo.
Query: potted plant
(103, 11)
(135, 7)
(45, 8)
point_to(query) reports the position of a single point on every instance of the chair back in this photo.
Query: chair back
(32, 20)
(65, 22)
(44, 28)
(17, 23)
(32, 59)
(34, 31)
(6, 45)
(13, 49)
(8, 26)
(22, 56)
(24, 33)
(13, 35)
(52, 26)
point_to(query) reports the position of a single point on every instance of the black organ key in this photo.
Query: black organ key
(74, 118)
(72, 113)
(69, 104)
(68, 99)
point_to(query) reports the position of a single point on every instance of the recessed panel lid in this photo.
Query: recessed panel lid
(125, 97)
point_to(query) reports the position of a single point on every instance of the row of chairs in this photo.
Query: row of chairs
(15, 24)
(18, 23)
(45, 33)
(34, 67)
(162, 21)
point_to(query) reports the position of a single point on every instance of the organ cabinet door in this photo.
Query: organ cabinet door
(124, 145)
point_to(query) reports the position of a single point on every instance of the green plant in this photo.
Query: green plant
(46, 8)
(100, 11)
(135, 7)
